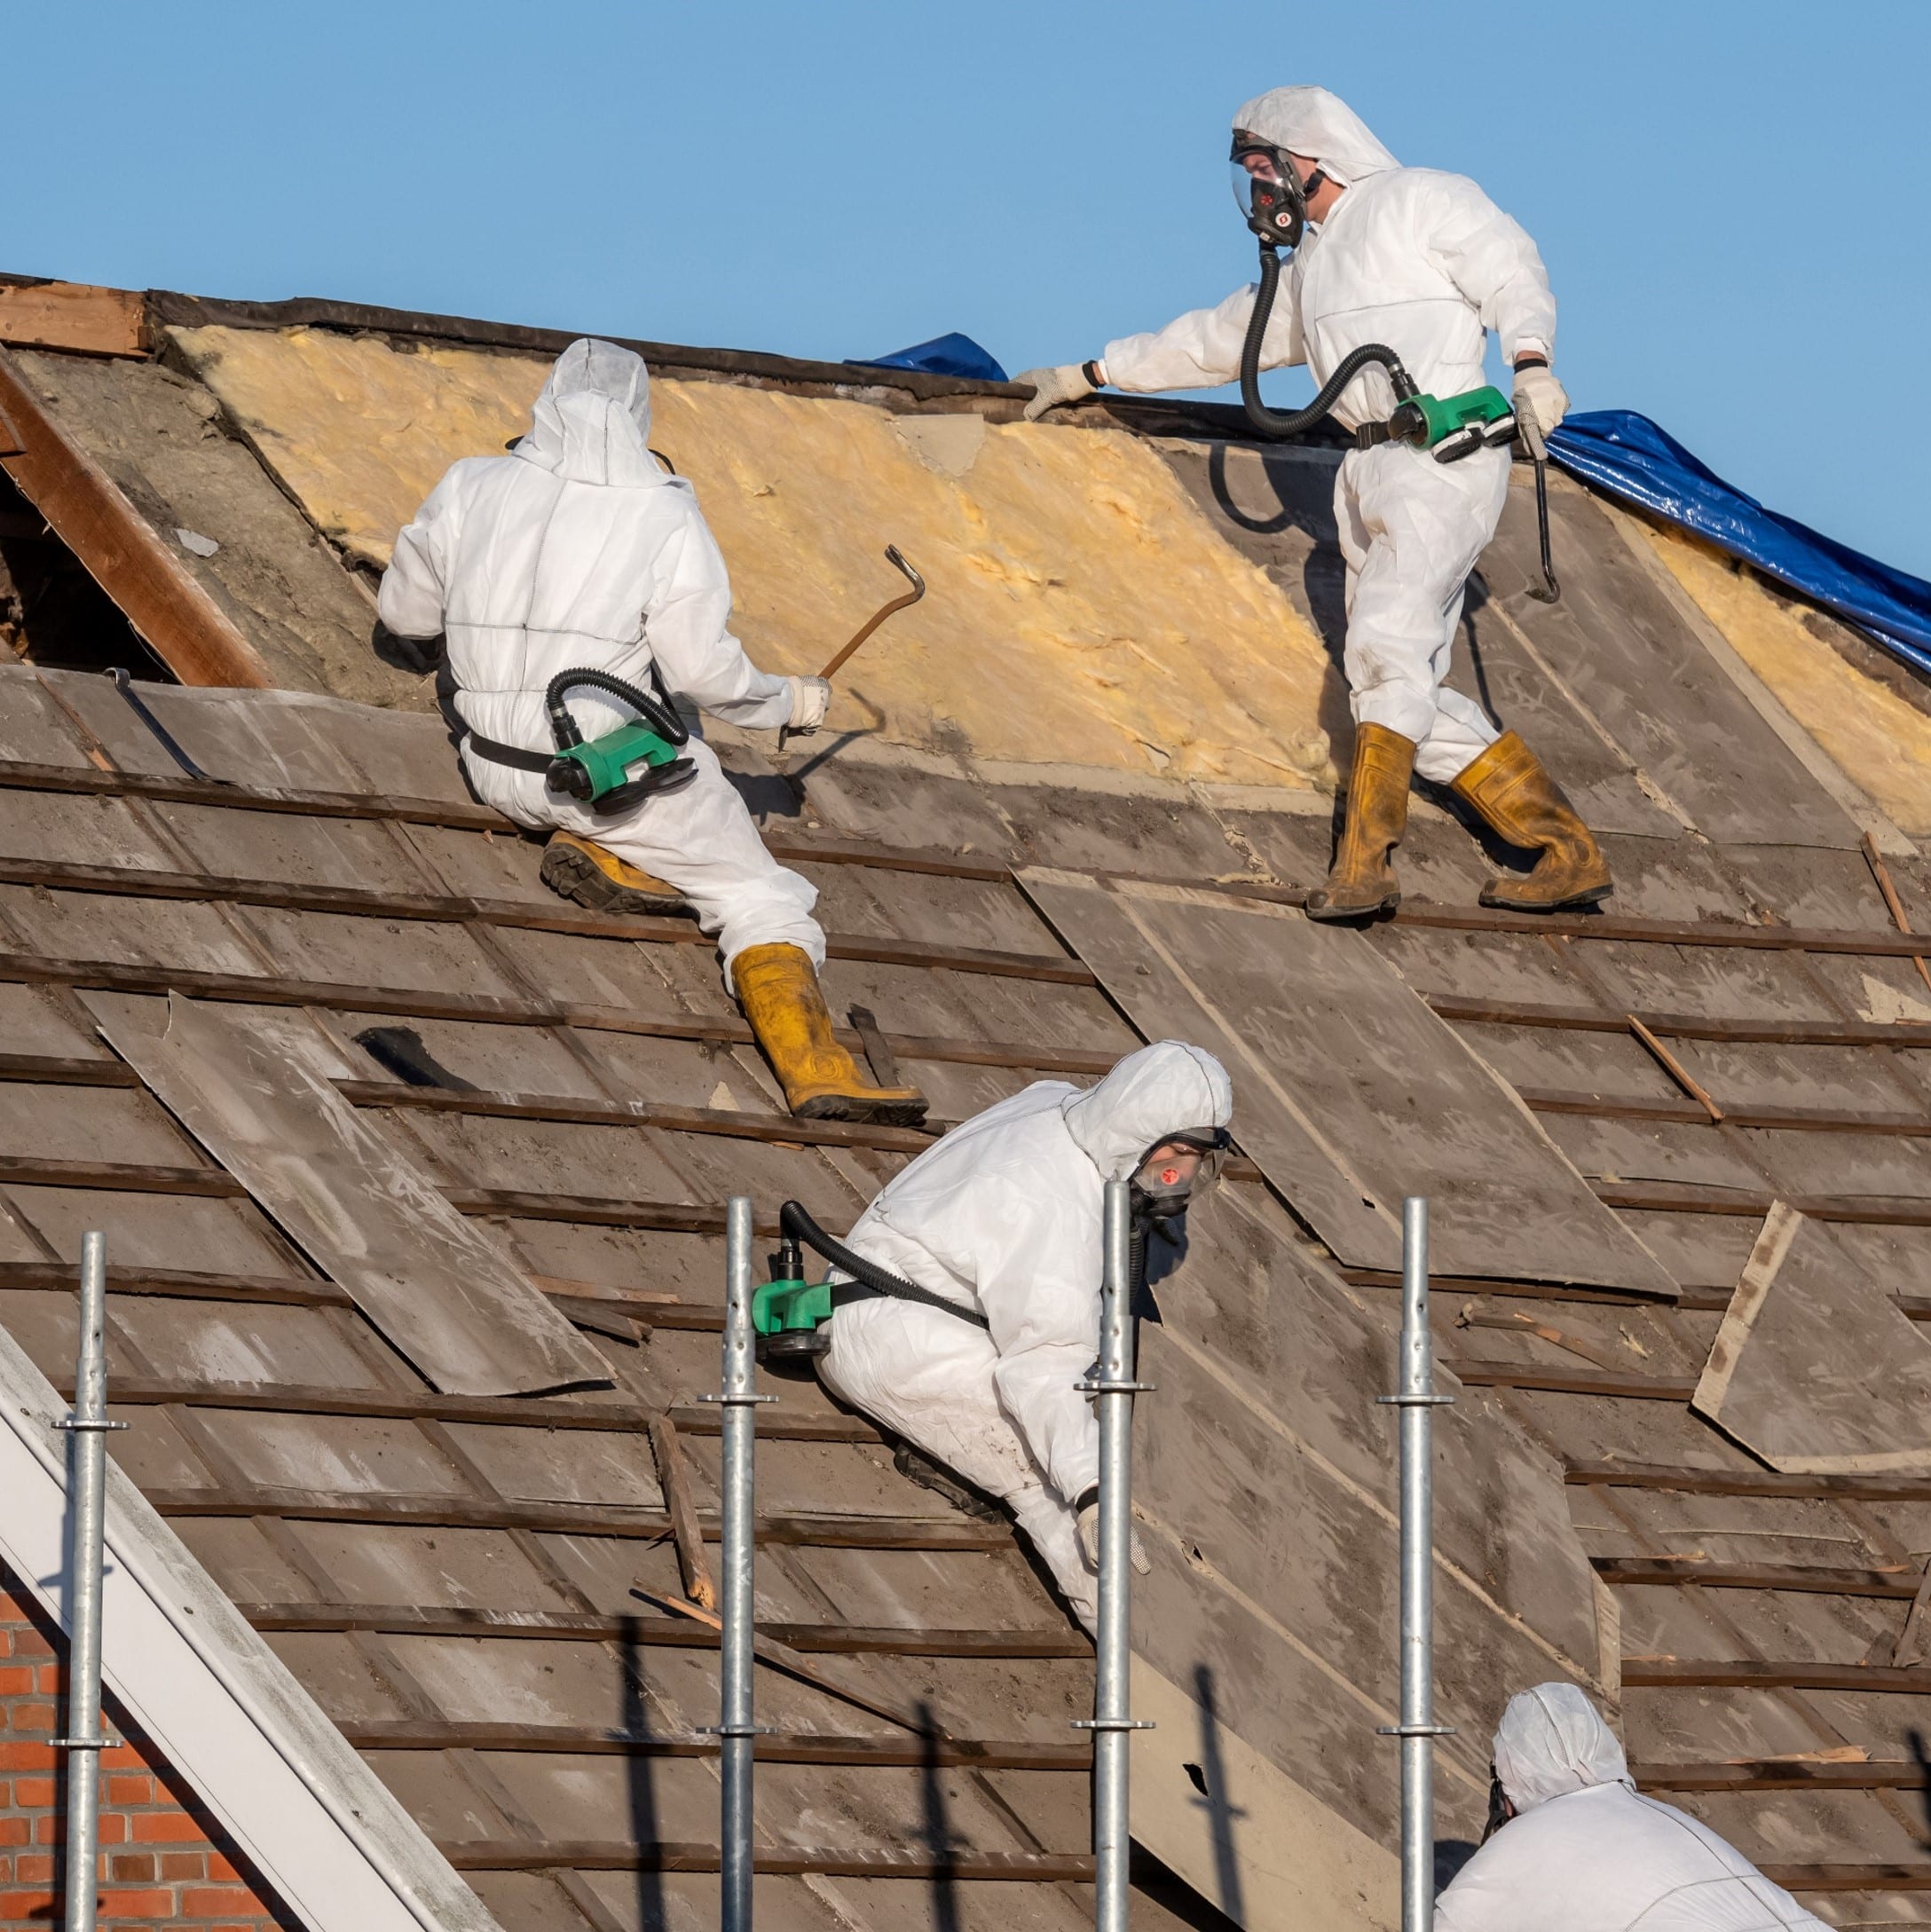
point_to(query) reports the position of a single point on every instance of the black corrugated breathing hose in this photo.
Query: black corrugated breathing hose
(1280, 424)
(794, 1220)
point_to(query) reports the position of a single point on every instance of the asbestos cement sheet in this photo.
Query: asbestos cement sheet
(1816, 1368)
(1349, 1093)
(441, 1288)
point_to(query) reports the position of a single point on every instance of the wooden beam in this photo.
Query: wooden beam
(674, 1479)
(1679, 1672)
(1749, 1482)
(1784, 1774)
(400, 1511)
(58, 1070)
(1678, 1572)
(963, 1866)
(777, 1747)
(1494, 1375)
(1675, 1197)
(663, 1633)
(1683, 1026)
(1687, 1114)
(1849, 1878)
(120, 548)
(73, 316)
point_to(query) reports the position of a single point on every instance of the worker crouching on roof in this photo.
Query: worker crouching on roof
(1424, 263)
(1571, 1846)
(579, 550)
(1003, 1219)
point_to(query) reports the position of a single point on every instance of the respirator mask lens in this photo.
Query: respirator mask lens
(1268, 193)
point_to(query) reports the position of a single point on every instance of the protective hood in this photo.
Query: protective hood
(1161, 1090)
(1551, 1742)
(591, 422)
(1313, 123)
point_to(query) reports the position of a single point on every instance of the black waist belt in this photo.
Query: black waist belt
(512, 755)
(845, 1293)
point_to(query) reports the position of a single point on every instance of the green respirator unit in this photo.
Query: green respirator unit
(622, 766)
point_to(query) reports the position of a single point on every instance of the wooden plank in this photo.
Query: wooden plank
(120, 549)
(1353, 1093)
(1687, 1114)
(181, 1284)
(1680, 1673)
(57, 1070)
(962, 1865)
(1493, 1375)
(1782, 1774)
(1682, 1026)
(672, 1633)
(1749, 1482)
(1671, 1197)
(123, 1176)
(1677, 1573)
(674, 1479)
(777, 1747)
(73, 316)
(1849, 1878)
(398, 1509)
(409, 1405)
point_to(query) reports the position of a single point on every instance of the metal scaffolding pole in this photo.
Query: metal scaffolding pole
(1417, 1729)
(735, 1731)
(87, 1485)
(1113, 1391)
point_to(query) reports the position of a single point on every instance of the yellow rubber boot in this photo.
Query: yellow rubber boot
(778, 990)
(1508, 785)
(579, 868)
(1361, 880)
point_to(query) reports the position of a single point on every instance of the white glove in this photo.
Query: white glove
(1087, 1528)
(1539, 397)
(811, 698)
(1053, 387)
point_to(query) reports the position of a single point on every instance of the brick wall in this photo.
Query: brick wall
(163, 1859)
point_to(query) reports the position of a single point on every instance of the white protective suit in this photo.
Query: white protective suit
(1586, 1854)
(1426, 263)
(579, 550)
(1005, 1216)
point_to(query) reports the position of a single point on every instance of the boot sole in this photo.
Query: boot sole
(1593, 896)
(860, 1112)
(1336, 912)
(571, 874)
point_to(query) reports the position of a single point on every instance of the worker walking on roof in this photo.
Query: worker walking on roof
(1004, 1219)
(1425, 264)
(579, 550)
(1571, 1845)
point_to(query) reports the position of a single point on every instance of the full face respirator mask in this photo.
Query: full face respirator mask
(1165, 1185)
(1268, 192)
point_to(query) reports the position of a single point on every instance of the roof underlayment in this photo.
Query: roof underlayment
(1069, 801)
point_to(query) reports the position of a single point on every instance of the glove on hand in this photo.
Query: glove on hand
(1066, 384)
(1539, 397)
(1088, 1530)
(811, 698)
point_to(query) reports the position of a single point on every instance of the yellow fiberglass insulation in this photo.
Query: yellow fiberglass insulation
(1882, 741)
(1082, 610)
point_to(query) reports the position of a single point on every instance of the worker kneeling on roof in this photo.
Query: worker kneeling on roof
(579, 552)
(1572, 1846)
(1424, 263)
(1002, 1223)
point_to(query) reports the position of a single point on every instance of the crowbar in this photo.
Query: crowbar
(895, 558)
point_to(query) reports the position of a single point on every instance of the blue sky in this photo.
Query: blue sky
(1729, 197)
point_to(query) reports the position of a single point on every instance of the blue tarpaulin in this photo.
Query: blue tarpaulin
(1628, 455)
(944, 355)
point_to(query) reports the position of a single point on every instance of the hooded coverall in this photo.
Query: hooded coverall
(1585, 1854)
(1006, 1215)
(1426, 263)
(579, 550)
